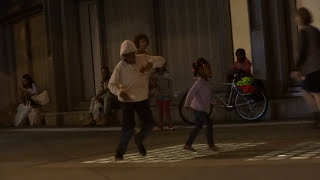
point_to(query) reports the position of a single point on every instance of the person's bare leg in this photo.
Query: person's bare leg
(317, 100)
(316, 97)
(310, 100)
(313, 101)
(91, 121)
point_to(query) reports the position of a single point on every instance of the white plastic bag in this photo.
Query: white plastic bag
(22, 113)
(34, 117)
(96, 110)
(42, 98)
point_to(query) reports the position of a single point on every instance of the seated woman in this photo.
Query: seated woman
(29, 89)
(28, 108)
(242, 65)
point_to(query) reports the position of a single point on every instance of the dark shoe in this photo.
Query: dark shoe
(118, 157)
(316, 119)
(316, 125)
(189, 148)
(103, 121)
(214, 148)
(90, 122)
(141, 148)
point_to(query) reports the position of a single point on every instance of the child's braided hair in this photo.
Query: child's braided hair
(201, 62)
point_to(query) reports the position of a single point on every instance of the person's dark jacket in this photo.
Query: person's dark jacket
(309, 50)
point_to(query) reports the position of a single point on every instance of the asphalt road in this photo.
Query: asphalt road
(253, 152)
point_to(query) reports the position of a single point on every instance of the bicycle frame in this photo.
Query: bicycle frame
(233, 89)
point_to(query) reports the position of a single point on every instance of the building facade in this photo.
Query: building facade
(64, 43)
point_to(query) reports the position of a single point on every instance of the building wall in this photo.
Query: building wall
(5, 81)
(124, 19)
(240, 26)
(63, 48)
(86, 29)
(30, 51)
(192, 29)
(187, 30)
(22, 51)
(38, 51)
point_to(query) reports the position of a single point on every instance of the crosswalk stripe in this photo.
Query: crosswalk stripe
(303, 150)
(174, 154)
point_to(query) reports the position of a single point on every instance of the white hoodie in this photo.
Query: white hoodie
(128, 78)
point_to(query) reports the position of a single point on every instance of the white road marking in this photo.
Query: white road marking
(174, 154)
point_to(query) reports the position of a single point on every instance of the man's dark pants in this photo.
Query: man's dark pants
(128, 124)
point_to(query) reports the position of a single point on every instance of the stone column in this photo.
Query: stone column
(272, 44)
(59, 99)
(71, 50)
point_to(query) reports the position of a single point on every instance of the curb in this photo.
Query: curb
(99, 129)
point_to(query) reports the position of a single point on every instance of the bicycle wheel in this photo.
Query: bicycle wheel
(187, 115)
(251, 106)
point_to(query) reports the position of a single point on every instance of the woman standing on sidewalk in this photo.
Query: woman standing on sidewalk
(308, 63)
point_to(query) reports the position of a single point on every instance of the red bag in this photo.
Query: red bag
(247, 89)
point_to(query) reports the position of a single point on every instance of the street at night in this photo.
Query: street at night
(159, 89)
(255, 151)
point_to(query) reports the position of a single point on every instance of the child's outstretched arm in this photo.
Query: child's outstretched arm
(152, 62)
(156, 61)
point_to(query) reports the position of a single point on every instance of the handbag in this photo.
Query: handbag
(42, 98)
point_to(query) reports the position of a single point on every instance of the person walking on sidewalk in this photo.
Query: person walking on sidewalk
(164, 88)
(198, 100)
(308, 63)
(130, 81)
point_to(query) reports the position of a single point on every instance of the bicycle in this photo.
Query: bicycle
(248, 106)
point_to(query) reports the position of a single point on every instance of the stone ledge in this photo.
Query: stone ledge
(289, 108)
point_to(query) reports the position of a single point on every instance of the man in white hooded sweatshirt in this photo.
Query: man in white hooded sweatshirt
(130, 82)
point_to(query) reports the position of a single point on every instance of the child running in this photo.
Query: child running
(198, 100)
